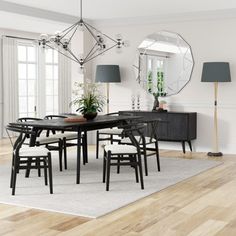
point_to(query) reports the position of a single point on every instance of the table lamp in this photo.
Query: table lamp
(216, 72)
(108, 74)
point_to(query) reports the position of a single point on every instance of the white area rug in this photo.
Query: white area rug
(90, 198)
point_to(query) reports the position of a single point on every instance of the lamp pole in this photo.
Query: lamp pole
(216, 137)
(108, 97)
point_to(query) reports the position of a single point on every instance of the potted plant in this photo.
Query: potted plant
(88, 99)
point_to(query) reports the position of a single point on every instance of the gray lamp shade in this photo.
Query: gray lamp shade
(216, 72)
(108, 74)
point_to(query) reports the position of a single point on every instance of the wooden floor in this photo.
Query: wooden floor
(202, 205)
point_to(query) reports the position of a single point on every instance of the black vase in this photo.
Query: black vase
(156, 104)
(90, 115)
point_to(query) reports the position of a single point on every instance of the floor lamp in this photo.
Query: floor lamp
(108, 74)
(216, 72)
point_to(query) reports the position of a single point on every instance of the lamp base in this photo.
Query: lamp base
(214, 154)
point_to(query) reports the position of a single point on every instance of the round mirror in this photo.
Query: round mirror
(164, 63)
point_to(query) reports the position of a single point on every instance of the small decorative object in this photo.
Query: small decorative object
(88, 100)
(133, 101)
(138, 101)
(75, 119)
(162, 106)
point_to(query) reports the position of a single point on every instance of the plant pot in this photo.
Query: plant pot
(90, 115)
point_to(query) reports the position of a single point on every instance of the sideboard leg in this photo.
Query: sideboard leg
(183, 146)
(190, 145)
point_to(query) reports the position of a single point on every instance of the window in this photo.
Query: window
(51, 76)
(38, 80)
(27, 74)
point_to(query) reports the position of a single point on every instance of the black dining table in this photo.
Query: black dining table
(100, 122)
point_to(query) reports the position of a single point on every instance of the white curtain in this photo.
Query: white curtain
(10, 81)
(64, 86)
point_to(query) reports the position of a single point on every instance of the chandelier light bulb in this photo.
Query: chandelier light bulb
(57, 33)
(43, 37)
(119, 37)
(81, 70)
(119, 49)
(101, 39)
(52, 39)
(126, 43)
(81, 56)
(65, 43)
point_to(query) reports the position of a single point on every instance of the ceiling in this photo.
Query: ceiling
(51, 15)
(110, 9)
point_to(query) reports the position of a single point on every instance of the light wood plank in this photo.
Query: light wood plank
(202, 205)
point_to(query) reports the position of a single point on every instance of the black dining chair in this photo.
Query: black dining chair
(52, 142)
(148, 141)
(28, 157)
(111, 135)
(123, 155)
(67, 137)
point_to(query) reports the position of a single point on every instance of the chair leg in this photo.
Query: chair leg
(45, 172)
(140, 171)
(145, 160)
(14, 176)
(111, 138)
(50, 173)
(157, 156)
(84, 152)
(60, 144)
(108, 170)
(118, 165)
(136, 168)
(27, 172)
(65, 153)
(104, 167)
(38, 166)
(85, 146)
(12, 166)
(97, 145)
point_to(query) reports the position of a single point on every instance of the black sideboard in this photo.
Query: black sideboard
(173, 126)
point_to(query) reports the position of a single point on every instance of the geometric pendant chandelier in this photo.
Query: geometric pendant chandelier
(61, 41)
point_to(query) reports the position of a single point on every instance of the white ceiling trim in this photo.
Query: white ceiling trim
(36, 12)
(194, 16)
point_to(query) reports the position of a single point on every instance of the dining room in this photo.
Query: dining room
(117, 119)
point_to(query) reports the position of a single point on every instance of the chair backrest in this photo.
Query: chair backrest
(151, 127)
(51, 117)
(25, 119)
(23, 131)
(132, 131)
(68, 114)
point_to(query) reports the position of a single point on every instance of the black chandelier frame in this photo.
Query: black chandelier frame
(61, 41)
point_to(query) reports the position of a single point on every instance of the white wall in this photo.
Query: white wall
(211, 40)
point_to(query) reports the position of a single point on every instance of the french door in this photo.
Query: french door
(38, 80)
